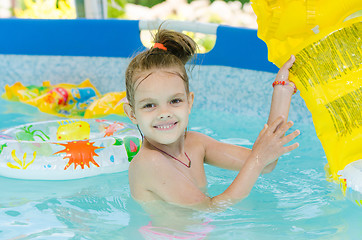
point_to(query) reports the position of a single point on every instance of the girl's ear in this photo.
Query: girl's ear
(190, 100)
(130, 113)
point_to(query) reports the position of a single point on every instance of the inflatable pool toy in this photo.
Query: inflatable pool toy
(68, 149)
(351, 179)
(328, 73)
(109, 103)
(68, 100)
(285, 25)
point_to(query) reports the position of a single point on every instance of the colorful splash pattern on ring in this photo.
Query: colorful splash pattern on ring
(67, 149)
(327, 72)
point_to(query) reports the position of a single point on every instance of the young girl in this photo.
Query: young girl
(170, 165)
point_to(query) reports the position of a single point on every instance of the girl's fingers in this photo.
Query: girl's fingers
(288, 64)
(290, 137)
(290, 147)
(283, 72)
(278, 121)
(280, 132)
(262, 132)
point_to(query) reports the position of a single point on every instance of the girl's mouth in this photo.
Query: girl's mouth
(166, 126)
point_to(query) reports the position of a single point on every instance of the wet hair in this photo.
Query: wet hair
(180, 49)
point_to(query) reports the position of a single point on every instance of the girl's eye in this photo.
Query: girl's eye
(176, 100)
(148, 105)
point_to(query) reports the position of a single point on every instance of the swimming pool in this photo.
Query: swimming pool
(231, 105)
(294, 201)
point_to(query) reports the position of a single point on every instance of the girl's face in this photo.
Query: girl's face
(162, 106)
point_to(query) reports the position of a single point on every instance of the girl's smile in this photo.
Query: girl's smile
(165, 126)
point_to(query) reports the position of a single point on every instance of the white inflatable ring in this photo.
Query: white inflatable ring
(351, 181)
(68, 149)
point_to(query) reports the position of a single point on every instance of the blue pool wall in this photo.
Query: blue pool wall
(235, 47)
(235, 76)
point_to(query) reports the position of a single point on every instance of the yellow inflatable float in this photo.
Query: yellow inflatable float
(327, 71)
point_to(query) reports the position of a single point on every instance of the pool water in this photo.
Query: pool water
(293, 202)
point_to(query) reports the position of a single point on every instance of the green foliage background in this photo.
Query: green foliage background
(151, 3)
(116, 11)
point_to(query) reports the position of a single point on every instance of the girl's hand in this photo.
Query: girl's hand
(283, 74)
(271, 140)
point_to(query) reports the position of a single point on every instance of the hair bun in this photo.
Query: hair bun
(176, 43)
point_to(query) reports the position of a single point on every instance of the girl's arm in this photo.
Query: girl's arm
(282, 96)
(268, 146)
(172, 186)
(223, 155)
(233, 157)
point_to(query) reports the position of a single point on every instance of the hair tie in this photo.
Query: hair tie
(160, 46)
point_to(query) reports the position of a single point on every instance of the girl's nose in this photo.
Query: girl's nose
(164, 113)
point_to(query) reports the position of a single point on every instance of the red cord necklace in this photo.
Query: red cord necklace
(188, 166)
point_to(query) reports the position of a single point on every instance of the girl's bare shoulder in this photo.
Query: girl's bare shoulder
(145, 159)
(142, 174)
(197, 138)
